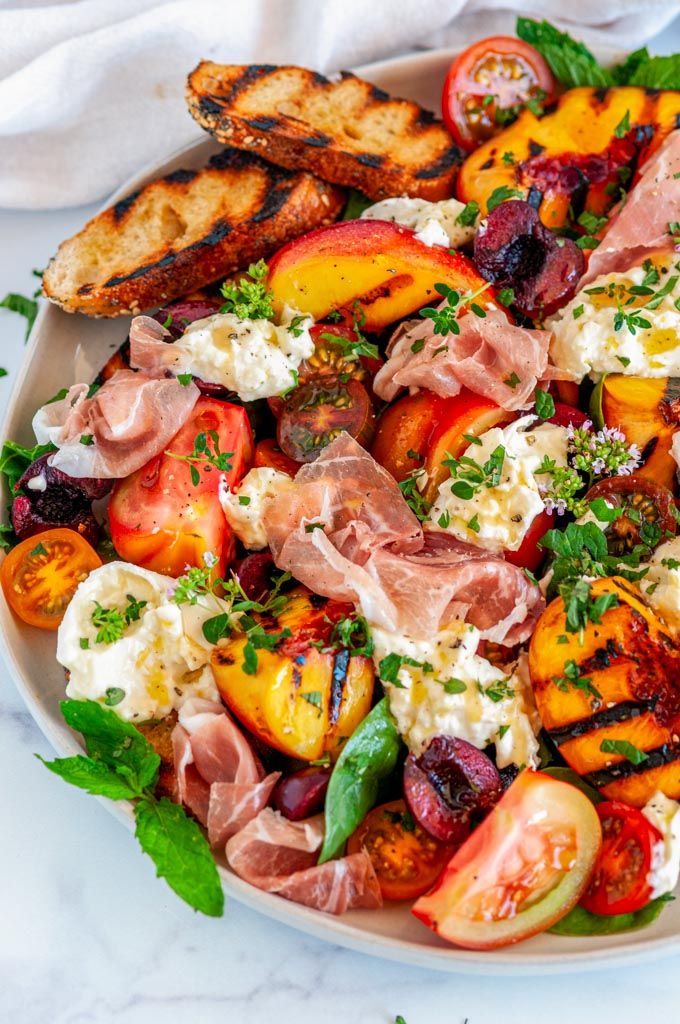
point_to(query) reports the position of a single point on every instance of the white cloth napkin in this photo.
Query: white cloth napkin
(92, 90)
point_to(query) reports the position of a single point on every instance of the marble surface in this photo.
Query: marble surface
(89, 936)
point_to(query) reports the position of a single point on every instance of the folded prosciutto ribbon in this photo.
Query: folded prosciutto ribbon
(490, 356)
(640, 226)
(128, 421)
(219, 778)
(373, 551)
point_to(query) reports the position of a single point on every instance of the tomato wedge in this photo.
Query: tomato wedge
(167, 515)
(620, 882)
(487, 83)
(40, 576)
(521, 870)
(407, 861)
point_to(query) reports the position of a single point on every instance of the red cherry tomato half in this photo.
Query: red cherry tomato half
(486, 81)
(529, 555)
(620, 882)
(521, 870)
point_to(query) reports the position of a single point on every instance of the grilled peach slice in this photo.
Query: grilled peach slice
(376, 263)
(302, 699)
(572, 151)
(647, 410)
(625, 692)
(419, 431)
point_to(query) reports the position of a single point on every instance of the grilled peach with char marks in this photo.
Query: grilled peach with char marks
(647, 410)
(618, 682)
(307, 695)
(573, 154)
(378, 264)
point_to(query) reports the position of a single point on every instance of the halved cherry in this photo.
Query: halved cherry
(513, 249)
(643, 503)
(317, 413)
(302, 794)
(447, 784)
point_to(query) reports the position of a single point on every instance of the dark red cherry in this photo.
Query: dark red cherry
(447, 784)
(514, 249)
(302, 794)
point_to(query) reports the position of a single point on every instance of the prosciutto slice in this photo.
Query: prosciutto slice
(486, 354)
(372, 551)
(640, 228)
(129, 420)
(149, 351)
(219, 777)
(280, 856)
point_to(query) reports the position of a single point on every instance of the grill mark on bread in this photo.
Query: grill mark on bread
(347, 130)
(185, 231)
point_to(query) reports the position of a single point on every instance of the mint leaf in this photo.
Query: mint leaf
(181, 854)
(569, 60)
(92, 776)
(27, 308)
(656, 72)
(118, 744)
(625, 749)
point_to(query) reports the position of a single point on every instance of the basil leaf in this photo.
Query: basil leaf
(118, 744)
(581, 922)
(92, 776)
(181, 854)
(369, 755)
(569, 60)
(570, 776)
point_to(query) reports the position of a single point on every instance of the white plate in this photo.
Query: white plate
(64, 348)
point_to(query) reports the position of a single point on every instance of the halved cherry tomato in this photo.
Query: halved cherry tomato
(488, 80)
(268, 454)
(407, 861)
(521, 870)
(620, 882)
(317, 412)
(164, 517)
(334, 358)
(40, 576)
(529, 555)
(643, 502)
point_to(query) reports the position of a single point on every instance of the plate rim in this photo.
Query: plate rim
(327, 928)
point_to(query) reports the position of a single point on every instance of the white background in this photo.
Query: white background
(88, 936)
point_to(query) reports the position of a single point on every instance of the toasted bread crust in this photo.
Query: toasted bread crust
(348, 132)
(185, 231)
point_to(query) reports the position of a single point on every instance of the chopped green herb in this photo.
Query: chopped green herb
(625, 749)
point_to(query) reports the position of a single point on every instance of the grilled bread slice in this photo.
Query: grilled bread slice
(184, 231)
(347, 131)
